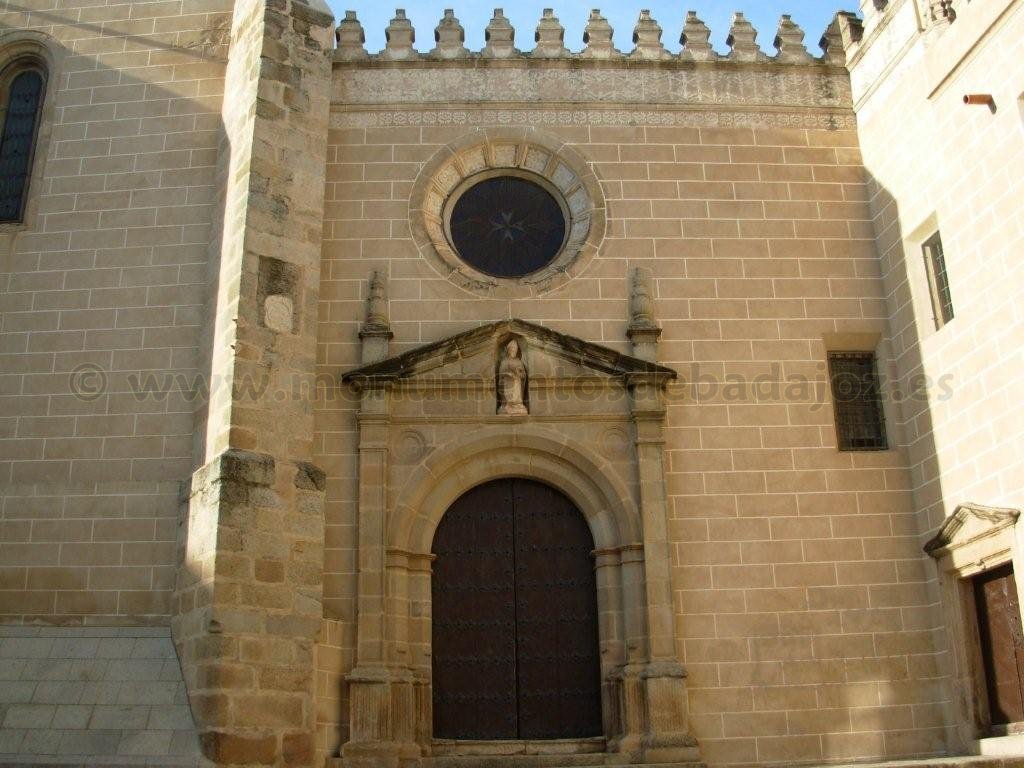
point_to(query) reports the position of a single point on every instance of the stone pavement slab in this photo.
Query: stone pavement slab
(93, 696)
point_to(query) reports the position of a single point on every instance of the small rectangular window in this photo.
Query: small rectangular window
(860, 422)
(938, 280)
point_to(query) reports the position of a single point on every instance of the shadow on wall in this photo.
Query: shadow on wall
(108, 300)
(923, 695)
(128, 261)
(108, 284)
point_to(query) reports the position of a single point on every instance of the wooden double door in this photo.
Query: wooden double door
(1002, 644)
(514, 617)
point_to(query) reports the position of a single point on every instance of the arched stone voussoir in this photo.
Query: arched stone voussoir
(526, 451)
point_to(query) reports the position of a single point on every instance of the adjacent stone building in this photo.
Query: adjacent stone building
(509, 406)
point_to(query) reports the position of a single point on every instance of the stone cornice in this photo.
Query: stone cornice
(956, 531)
(416, 362)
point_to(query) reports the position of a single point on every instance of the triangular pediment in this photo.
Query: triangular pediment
(967, 524)
(471, 354)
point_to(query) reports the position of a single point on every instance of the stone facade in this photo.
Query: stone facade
(962, 438)
(103, 286)
(244, 373)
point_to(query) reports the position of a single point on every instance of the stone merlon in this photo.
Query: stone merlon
(550, 34)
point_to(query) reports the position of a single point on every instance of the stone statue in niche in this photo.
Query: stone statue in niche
(512, 381)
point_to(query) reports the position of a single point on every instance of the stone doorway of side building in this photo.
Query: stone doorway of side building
(1001, 642)
(515, 621)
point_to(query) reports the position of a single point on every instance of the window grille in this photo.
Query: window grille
(860, 422)
(938, 280)
(21, 121)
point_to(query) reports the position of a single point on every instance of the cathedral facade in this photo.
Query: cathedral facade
(509, 406)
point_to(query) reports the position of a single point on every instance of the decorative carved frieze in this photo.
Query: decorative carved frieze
(814, 120)
(762, 85)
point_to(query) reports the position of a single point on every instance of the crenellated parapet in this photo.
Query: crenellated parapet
(500, 37)
(932, 14)
(549, 41)
(891, 32)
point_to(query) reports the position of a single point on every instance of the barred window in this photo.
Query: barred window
(23, 86)
(860, 422)
(938, 280)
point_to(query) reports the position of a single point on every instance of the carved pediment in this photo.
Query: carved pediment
(471, 355)
(969, 523)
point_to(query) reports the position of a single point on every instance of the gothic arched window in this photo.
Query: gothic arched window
(22, 87)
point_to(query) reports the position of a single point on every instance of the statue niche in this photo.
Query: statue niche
(512, 380)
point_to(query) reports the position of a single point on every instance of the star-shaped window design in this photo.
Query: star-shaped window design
(507, 226)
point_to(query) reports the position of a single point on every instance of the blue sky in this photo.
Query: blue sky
(812, 15)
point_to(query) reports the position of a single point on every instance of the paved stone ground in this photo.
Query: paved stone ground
(942, 762)
(962, 762)
(93, 696)
(612, 761)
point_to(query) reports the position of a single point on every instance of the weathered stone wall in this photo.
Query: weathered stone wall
(808, 623)
(248, 599)
(951, 167)
(796, 570)
(935, 163)
(102, 291)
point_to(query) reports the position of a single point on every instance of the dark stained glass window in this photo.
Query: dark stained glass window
(507, 226)
(24, 97)
(860, 422)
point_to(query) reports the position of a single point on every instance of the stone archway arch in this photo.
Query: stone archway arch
(525, 451)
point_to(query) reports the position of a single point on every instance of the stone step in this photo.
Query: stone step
(969, 761)
(604, 760)
(545, 761)
(607, 760)
(531, 761)
(578, 761)
(521, 760)
(525, 760)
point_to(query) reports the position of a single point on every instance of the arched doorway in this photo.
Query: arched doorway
(514, 629)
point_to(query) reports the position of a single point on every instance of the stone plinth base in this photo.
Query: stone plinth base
(938, 762)
(529, 761)
(249, 610)
(593, 761)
